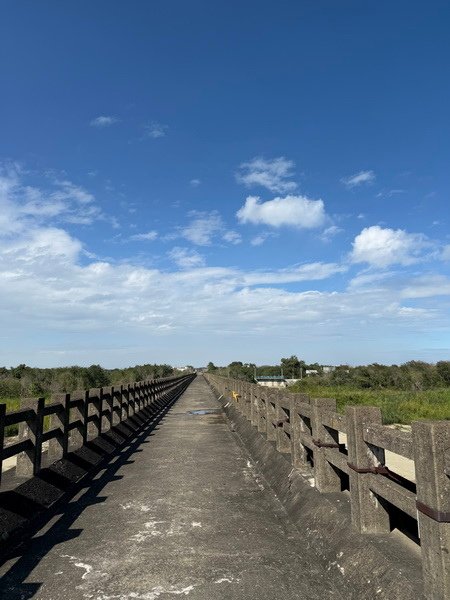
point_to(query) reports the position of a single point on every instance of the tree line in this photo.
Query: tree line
(412, 375)
(24, 381)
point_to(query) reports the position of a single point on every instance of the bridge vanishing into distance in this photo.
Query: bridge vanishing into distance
(211, 488)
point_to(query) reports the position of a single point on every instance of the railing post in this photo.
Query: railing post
(58, 447)
(271, 415)
(152, 396)
(85, 415)
(298, 428)
(368, 512)
(2, 436)
(131, 398)
(114, 419)
(120, 401)
(94, 413)
(125, 402)
(76, 434)
(137, 397)
(283, 415)
(326, 477)
(262, 412)
(106, 401)
(253, 404)
(29, 461)
(431, 443)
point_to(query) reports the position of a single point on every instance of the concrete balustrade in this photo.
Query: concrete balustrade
(78, 418)
(312, 432)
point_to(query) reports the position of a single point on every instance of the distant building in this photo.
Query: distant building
(274, 381)
(328, 368)
(309, 372)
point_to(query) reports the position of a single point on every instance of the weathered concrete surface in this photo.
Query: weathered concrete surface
(181, 511)
(385, 567)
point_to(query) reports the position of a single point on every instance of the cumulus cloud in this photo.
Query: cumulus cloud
(381, 247)
(290, 211)
(273, 174)
(117, 312)
(195, 182)
(103, 121)
(359, 179)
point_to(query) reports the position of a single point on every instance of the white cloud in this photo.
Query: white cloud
(329, 233)
(307, 272)
(259, 239)
(150, 236)
(381, 247)
(359, 179)
(445, 254)
(195, 182)
(63, 201)
(62, 301)
(427, 286)
(233, 237)
(203, 228)
(186, 258)
(291, 211)
(272, 174)
(103, 121)
(155, 130)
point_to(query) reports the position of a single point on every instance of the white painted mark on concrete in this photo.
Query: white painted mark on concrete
(229, 579)
(152, 595)
(163, 529)
(86, 567)
(135, 506)
(249, 473)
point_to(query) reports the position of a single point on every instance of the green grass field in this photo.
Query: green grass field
(396, 406)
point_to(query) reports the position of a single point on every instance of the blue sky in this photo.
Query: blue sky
(191, 181)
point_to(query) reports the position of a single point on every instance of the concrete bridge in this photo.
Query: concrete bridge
(219, 489)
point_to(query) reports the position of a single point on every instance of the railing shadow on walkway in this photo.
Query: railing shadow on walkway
(57, 528)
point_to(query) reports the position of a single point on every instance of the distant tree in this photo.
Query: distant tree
(443, 370)
(19, 371)
(96, 376)
(291, 366)
(211, 367)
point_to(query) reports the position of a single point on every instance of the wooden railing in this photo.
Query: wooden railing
(77, 418)
(348, 451)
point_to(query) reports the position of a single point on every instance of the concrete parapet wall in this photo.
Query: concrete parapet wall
(349, 505)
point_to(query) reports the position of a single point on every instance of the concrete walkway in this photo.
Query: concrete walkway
(180, 512)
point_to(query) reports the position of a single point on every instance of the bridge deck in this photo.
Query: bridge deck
(181, 511)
